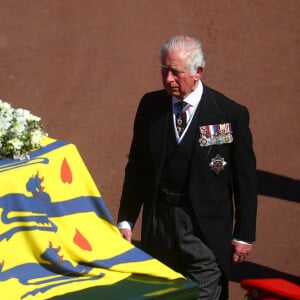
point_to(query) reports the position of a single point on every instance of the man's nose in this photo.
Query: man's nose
(169, 77)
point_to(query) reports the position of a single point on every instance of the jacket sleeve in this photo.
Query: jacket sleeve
(244, 179)
(132, 196)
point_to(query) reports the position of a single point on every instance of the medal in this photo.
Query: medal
(216, 134)
(217, 164)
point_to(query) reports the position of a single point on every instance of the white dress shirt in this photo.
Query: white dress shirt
(193, 100)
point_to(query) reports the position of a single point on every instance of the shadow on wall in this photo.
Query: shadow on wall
(277, 186)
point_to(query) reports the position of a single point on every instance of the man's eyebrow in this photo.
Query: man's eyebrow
(171, 69)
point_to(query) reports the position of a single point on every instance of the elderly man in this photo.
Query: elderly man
(193, 169)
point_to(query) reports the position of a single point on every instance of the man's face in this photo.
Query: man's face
(176, 75)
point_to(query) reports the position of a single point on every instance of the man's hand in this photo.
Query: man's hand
(240, 251)
(126, 234)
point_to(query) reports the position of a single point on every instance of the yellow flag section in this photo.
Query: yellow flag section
(56, 234)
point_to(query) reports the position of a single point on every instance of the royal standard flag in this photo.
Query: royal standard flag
(56, 234)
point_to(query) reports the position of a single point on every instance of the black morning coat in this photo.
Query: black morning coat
(225, 204)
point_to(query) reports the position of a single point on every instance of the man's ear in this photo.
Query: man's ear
(199, 73)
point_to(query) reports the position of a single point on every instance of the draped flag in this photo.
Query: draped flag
(56, 234)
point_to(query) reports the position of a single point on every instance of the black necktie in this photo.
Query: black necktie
(180, 117)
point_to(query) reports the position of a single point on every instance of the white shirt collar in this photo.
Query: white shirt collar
(193, 98)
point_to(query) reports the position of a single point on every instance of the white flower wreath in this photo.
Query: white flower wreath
(20, 132)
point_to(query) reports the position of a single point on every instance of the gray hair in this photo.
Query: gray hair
(190, 46)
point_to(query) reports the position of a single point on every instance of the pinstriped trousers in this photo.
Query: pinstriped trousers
(177, 242)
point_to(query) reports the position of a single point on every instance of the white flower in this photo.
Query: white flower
(5, 120)
(4, 106)
(17, 144)
(19, 127)
(20, 132)
(36, 136)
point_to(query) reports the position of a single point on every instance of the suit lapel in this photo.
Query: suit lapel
(209, 113)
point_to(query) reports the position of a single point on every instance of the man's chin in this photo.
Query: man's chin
(173, 92)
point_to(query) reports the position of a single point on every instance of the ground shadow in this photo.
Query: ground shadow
(277, 186)
(248, 270)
